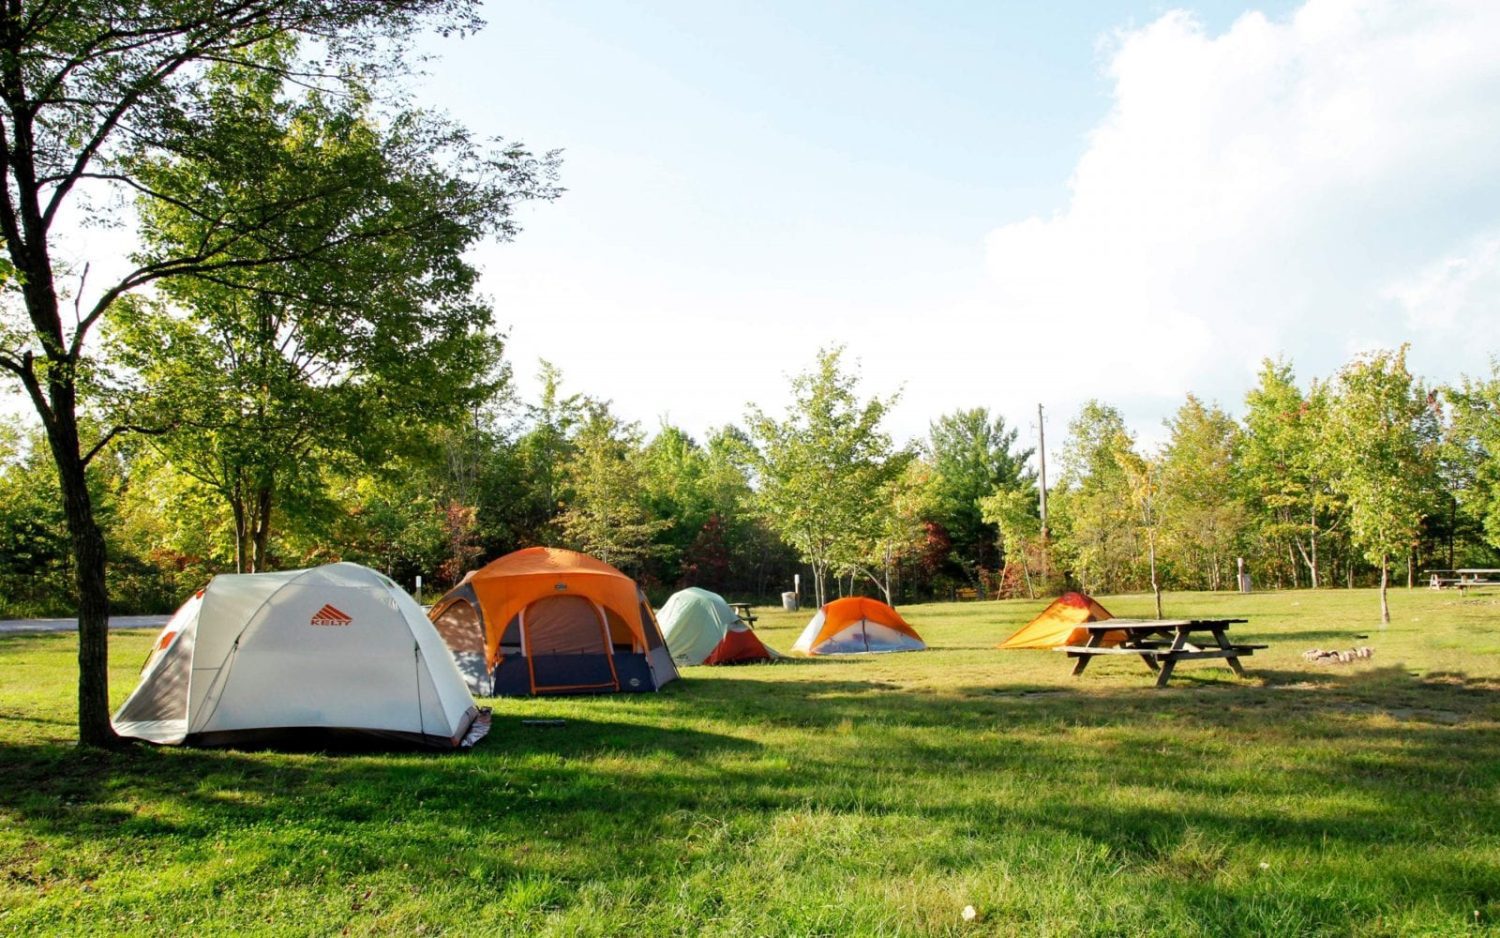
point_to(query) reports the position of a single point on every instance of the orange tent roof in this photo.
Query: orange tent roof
(841, 613)
(1059, 623)
(546, 561)
(506, 586)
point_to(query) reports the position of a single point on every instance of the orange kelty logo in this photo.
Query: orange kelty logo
(330, 616)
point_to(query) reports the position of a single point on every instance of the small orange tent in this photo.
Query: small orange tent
(549, 621)
(856, 624)
(1059, 624)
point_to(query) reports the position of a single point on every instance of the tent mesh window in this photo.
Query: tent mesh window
(564, 625)
(620, 634)
(648, 625)
(460, 628)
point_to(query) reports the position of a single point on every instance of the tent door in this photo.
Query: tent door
(567, 646)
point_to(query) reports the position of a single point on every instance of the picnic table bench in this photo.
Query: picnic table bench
(1464, 578)
(742, 611)
(1161, 643)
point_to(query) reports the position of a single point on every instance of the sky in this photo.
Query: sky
(998, 204)
(989, 204)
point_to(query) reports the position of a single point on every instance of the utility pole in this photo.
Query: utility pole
(1041, 432)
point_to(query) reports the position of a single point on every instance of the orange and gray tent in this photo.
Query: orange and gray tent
(549, 621)
(1059, 623)
(856, 625)
(701, 628)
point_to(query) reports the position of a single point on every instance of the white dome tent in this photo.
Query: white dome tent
(338, 647)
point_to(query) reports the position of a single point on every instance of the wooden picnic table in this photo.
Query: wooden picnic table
(1161, 643)
(742, 611)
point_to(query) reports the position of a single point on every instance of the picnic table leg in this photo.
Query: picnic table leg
(1171, 660)
(1224, 643)
(1095, 640)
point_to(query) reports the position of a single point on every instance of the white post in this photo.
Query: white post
(419, 589)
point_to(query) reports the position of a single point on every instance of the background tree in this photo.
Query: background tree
(1091, 509)
(895, 529)
(1383, 439)
(606, 515)
(541, 452)
(1471, 452)
(1143, 476)
(1013, 511)
(1283, 462)
(823, 470)
(1203, 514)
(972, 454)
(86, 90)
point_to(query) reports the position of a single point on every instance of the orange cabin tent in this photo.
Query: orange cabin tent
(855, 625)
(1059, 623)
(550, 621)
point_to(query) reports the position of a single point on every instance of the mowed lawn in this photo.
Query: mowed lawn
(860, 796)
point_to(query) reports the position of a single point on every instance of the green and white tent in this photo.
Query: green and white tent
(694, 621)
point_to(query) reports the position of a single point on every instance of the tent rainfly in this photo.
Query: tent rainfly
(550, 621)
(701, 628)
(270, 655)
(854, 625)
(1059, 623)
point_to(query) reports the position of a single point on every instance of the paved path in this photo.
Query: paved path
(16, 626)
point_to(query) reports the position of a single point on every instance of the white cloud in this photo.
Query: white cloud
(1304, 186)
(1281, 188)
(1455, 293)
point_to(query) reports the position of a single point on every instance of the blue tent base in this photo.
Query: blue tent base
(559, 675)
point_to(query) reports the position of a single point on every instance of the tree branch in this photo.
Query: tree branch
(116, 431)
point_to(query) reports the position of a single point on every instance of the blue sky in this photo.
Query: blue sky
(997, 204)
(750, 181)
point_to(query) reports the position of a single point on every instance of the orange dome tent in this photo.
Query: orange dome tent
(1059, 623)
(549, 621)
(741, 646)
(853, 625)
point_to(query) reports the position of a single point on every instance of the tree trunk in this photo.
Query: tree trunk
(1385, 606)
(1313, 528)
(262, 528)
(1411, 569)
(94, 728)
(1155, 586)
(241, 535)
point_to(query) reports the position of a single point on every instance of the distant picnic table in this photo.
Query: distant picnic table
(1161, 643)
(1463, 578)
(742, 611)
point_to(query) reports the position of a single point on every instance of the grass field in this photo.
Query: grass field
(858, 796)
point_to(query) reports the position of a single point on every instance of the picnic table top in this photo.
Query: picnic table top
(1108, 625)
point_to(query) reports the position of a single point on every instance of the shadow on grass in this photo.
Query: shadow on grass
(1327, 763)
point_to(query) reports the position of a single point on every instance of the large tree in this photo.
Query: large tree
(1383, 438)
(268, 374)
(87, 90)
(823, 472)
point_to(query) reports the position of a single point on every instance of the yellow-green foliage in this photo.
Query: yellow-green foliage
(857, 796)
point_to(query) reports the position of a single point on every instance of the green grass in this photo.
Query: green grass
(858, 796)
